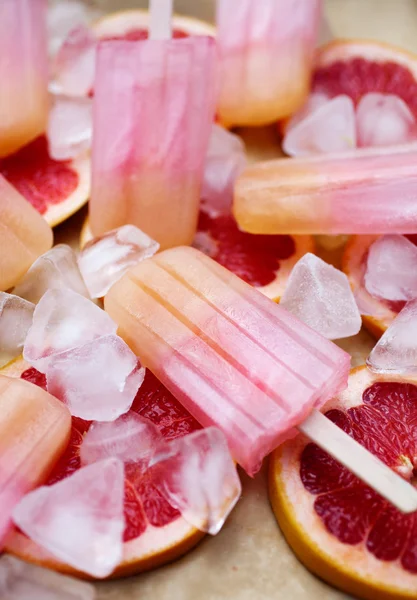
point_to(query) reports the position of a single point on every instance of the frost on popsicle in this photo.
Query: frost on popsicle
(23, 73)
(23, 581)
(197, 475)
(320, 295)
(106, 258)
(151, 133)
(15, 320)
(62, 321)
(391, 269)
(131, 438)
(70, 127)
(256, 88)
(396, 351)
(80, 519)
(56, 269)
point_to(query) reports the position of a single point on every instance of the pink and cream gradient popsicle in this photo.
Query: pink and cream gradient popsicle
(24, 235)
(237, 360)
(34, 431)
(23, 73)
(153, 110)
(363, 192)
(266, 51)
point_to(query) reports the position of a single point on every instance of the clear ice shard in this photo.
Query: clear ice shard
(70, 127)
(15, 320)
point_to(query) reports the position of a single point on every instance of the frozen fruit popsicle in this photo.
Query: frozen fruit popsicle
(237, 360)
(34, 431)
(153, 109)
(23, 72)
(366, 191)
(266, 50)
(24, 235)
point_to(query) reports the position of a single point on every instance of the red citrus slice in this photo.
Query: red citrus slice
(337, 526)
(155, 532)
(57, 189)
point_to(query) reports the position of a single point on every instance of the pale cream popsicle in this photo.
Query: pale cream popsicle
(23, 73)
(24, 235)
(34, 431)
(362, 192)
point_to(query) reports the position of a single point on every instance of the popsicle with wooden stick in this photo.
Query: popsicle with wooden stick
(238, 361)
(153, 110)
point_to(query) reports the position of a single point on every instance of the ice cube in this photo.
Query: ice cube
(396, 351)
(15, 320)
(23, 581)
(314, 101)
(391, 270)
(97, 381)
(226, 158)
(384, 120)
(197, 476)
(63, 320)
(320, 295)
(130, 438)
(70, 127)
(56, 269)
(80, 520)
(329, 128)
(107, 257)
(65, 15)
(74, 65)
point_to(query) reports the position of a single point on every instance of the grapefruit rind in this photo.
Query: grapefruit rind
(343, 566)
(155, 547)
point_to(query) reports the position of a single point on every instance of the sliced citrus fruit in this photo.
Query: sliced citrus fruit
(155, 532)
(57, 189)
(337, 526)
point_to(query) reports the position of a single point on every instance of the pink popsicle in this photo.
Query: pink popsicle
(24, 235)
(266, 50)
(23, 73)
(153, 110)
(34, 431)
(365, 191)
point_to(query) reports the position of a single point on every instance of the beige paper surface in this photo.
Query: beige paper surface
(249, 559)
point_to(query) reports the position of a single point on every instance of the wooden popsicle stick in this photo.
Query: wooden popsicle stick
(160, 27)
(370, 469)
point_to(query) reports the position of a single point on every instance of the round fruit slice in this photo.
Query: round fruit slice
(155, 532)
(337, 526)
(57, 189)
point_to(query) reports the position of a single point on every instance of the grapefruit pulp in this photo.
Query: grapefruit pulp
(337, 526)
(155, 532)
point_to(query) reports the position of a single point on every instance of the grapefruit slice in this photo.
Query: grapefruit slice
(155, 532)
(57, 189)
(264, 261)
(338, 527)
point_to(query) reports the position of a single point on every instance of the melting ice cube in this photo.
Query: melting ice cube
(70, 127)
(74, 65)
(15, 320)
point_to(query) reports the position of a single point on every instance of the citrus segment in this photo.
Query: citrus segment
(338, 527)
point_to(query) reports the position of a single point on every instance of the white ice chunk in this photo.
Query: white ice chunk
(391, 270)
(15, 320)
(80, 520)
(384, 120)
(63, 320)
(106, 258)
(56, 269)
(314, 102)
(329, 128)
(70, 127)
(23, 581)
(197, 476)
(74, 64)
(97, 381)
(320, 295)
(65, 15)
(130, 438)
(396, 351)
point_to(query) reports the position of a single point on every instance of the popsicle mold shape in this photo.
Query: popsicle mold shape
(34, 431)
(233, 358)
(23, 73)
(151, 132)
(24, 234)
(372, 190)
(266, 50)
